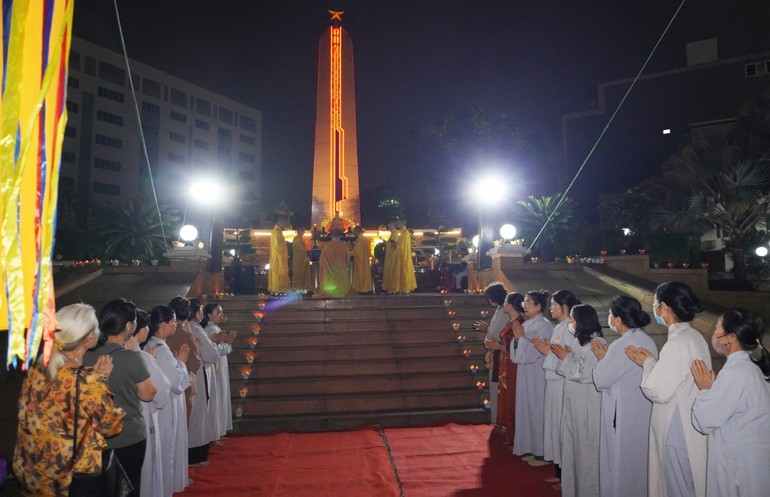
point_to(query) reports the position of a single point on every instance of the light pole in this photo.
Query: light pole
(208, 192)
(488, 191)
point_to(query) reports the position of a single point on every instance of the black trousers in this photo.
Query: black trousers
(132, 458)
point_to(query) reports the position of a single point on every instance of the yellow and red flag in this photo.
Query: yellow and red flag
(35, 37)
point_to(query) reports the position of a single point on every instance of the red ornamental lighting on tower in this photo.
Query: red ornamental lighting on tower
(335, 165)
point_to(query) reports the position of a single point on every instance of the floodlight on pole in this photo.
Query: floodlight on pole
(210, 193)
(487, 191)
(761, 251)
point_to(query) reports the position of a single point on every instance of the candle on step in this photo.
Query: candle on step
(460, 339)
(480, 385)
(245, 372)
(244, 391)
(252, 341)
(484, 314)
(239, 412)
(249, 357)
(261, 304)
(487, 405)
(466, 353)
(456, 326)
(474, 368)
(451, 314)
(447, 302)
(256, 328)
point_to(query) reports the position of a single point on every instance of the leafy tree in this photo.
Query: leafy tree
(530, 217)
(715, 183)
(134, 230)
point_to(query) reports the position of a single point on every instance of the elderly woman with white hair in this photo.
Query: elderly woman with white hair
(45, 433)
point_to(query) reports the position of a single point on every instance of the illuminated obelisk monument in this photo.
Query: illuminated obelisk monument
(335, 164)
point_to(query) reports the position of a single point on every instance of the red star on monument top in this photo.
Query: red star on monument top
(336, 14)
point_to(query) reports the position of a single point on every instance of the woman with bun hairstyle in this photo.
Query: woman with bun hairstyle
(582, 406)
(130, 381)
(562, 302)
(172, 420)
(734, 409)
(530, 379)
(506, 390)
(677, 462)
(625, 421)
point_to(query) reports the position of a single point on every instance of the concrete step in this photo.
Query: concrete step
(374, 384)
(309, 423)
(334, 404)
(333, 364)
(323, 369)
(269, 339)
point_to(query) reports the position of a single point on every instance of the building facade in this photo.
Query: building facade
(189, 133)
(664, 111)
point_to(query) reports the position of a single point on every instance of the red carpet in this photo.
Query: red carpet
(463, 461)
(334, 464)
(446, 461)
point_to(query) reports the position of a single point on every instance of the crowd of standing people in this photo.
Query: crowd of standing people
(150, 389)
(344, 264)
(624, 419)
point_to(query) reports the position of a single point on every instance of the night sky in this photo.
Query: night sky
(415, 61)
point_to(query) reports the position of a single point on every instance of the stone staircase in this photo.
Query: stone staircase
(335, 364)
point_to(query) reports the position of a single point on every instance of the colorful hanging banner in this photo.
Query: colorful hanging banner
(35, 37)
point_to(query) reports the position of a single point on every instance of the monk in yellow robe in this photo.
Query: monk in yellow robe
(362, 268)
(387, 265)
(300, 264)
(403, 279)
(278, 275)
(333, 279)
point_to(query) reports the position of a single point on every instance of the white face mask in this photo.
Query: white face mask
(571, 328)
(609, 323)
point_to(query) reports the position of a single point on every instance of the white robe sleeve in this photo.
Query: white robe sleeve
(612, 368)
(162, 391)
(715, 406)
(657, 375)
(578, 365)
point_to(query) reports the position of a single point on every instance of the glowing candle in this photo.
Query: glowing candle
(252, 341)
(256, 328)
(245, 372)
(484, 314)
(249, 357)
(447, 302)
(460, 339)
(474, 368)
(451, 314)
(456, 326)
(243, 392)
(466, 353)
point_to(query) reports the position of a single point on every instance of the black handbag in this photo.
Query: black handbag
(111, 481)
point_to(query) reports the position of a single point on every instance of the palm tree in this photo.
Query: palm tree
(134, 230)
(714, 183)
(539, 216)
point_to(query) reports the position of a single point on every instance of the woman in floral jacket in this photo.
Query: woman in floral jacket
(43, 460)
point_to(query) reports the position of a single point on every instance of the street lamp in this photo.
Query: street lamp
(761, 251)
(208, 192)
(487, 191)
